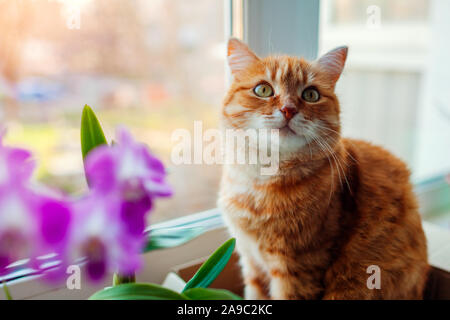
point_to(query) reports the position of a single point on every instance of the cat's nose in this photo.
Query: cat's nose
(289, 110)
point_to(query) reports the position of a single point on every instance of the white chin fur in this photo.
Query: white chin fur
(292, 143)
(301, 131)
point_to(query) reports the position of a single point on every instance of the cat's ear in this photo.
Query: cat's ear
(239, 56)
(333, 62)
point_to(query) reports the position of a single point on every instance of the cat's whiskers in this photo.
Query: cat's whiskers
(326, 150)
(325, 144)
(339, 163)
(320, 127)
(311, 136)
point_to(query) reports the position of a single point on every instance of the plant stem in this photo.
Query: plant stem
(7, 293)
(121, 279)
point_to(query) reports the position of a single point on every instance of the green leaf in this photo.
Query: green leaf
(210, 294)
(137, 291)
(6, 290)
(171, 237)
(121, 279)
(212, 267)
(92, 134)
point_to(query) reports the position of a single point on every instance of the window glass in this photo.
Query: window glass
(153, 66)
(397, 11)
(392, 90)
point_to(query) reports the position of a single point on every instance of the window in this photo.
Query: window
(351, 12)
(394, 89)
(153, 66)
(391, 91)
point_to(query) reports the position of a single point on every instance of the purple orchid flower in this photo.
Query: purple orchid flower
(16, 168)
(130, 173)
(101, 235)
(16, 165)
(106, 226)
(16, 227)
(127, 166)
(30, 224)
(109, 223)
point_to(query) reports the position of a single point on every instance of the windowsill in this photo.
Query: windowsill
(158, 263)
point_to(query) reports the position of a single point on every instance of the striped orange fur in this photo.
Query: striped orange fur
(335, 207)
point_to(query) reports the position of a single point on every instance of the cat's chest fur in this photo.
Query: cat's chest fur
(274, 217)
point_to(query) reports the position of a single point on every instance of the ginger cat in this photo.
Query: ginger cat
(335, 207)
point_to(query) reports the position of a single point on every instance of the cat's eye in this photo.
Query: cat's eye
(310, 95)
(263, 90)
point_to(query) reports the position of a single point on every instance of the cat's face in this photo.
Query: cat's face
(286, 93)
